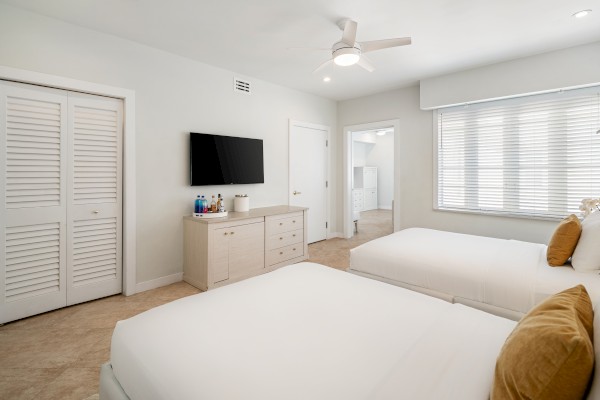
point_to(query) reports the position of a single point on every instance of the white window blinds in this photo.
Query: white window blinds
(531, 156)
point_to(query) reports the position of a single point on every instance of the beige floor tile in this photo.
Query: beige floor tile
(72, 384)
(46, 348)
(25, 383)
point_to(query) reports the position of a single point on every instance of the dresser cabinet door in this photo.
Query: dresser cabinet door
(220, 261)
(358, 203)
(246, 250)
(370, 177)
(370, 199)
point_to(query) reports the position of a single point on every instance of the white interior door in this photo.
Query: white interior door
(94, 217)
(308, 175)
(33, 141)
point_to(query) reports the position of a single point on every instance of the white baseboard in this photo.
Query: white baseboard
(158, 282)
(381, 207)
(332, 235)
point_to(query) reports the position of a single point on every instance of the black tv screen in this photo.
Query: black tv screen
(225, 160)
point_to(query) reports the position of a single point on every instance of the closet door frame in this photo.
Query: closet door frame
(129, 178)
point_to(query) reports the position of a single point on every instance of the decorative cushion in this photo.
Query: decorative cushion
(549, 354)
(563, 241)
(586, 257)
(595, 387)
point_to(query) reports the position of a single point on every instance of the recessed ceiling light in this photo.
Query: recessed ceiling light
(582, 13)
(326, 79)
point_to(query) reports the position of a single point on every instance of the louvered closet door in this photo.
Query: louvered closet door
(33, 192)
(95, 197)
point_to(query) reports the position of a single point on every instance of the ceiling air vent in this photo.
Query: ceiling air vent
(241, 86)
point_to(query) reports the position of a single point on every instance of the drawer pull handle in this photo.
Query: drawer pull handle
(294, 249)
(280, 238)
(294, 235)
(294, 221)
(226, 233)
(281, 223)
(232, 233)
(281, 252)
(96, 211)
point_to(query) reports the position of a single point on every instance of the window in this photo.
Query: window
(531, 156)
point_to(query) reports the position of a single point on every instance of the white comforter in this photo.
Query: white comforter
(509, 274)
(308, 332)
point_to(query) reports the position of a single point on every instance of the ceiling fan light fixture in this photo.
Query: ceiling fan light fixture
(582, 13)
(346, 56)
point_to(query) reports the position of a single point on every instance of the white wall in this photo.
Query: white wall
(572, 67)
(382, 157)
(174, 96)
(377, 152)
(359, 153)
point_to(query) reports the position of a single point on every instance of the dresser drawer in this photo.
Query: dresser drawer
(282, 254)
(287, 223)
(284, 239)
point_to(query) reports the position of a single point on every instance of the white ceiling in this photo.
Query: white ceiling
(253, 37)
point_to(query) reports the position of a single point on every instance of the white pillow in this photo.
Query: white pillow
(586, 257)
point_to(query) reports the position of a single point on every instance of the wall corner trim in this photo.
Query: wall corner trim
(158, 282)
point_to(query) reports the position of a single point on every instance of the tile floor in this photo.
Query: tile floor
(57, 355)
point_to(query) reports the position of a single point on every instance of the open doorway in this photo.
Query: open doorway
(370, 187)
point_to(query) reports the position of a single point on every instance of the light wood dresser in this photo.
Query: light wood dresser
(219, 251)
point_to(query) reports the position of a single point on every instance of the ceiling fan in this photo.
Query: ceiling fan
(349, 52)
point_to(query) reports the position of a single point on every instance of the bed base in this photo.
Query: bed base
(110, 388)
(499, 311)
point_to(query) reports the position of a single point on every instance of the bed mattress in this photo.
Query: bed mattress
(508, 274)
(308, 332)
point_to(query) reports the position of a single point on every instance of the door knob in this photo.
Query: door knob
(295, 193)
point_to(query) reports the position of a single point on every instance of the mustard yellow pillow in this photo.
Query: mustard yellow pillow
(563, 241)
(549, 354)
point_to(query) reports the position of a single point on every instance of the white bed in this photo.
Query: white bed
(305, 332)
(505, 277)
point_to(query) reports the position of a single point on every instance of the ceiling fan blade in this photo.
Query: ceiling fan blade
(320, 67)
(349, 35)
(373, 45)
(309, 48)
(366, 63)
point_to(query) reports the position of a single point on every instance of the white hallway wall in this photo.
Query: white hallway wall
(382, 157)
(174, 96)
(417, 130)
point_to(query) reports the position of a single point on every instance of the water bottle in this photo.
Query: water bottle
(198, 205)
(204, 205)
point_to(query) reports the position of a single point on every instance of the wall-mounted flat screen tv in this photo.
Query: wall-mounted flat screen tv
(225, 160)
